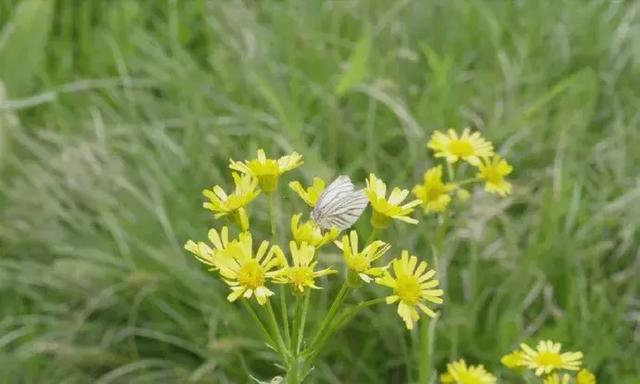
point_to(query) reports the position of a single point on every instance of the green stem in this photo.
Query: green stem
(281, 346)
(372, 236)
(424, 365)
(272, 217)
(467, 181)
(346, 317)
(337, 302)
(303, 322)
(451, 171)
(295, 334)
(294, 373)
(427, 328)
(263, 329)
(341, 322)
(284, 313)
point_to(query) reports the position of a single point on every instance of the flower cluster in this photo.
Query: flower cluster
(435, 192)
(548, 361)
(413, 287)
(458, 372)
(249, 273)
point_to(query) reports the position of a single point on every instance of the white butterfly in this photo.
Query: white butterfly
(339, 205)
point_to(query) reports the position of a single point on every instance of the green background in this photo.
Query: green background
(116, 114)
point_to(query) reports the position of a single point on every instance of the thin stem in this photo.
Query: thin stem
(272, 217)
(451, 171)
(346, 317)
(342, 321)
(424, 364)
(305, 309)
(281, 346)
(427, 329)
(263, 329)
(467, 181)
(302, 305)
(296, 325)
(337, 302)
(284, 313)
(372, 236)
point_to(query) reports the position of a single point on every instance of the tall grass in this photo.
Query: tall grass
(116, 114)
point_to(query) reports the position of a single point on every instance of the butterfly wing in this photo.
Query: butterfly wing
(339, 205)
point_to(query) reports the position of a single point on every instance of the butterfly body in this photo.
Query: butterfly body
(340, 205)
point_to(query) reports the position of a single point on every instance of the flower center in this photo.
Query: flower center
(267, 174)
(434, 193)
(468, 378)
(251, 275)
(461, 148)
(408, 288)
(300, 276)
(549, 359)
(492, 175)
(358, 263)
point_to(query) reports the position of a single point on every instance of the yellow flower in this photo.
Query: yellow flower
(233, 204)
(493, 171)
(459, 372)
(557, 379)
(585, 377)
(245, 272)
(470, 147)
(433, 193)
(547, 357)
(386, 209)
(301, 274)
(360, 261)
(411, 286)
(513, 360)
(267, 170)
(203, 252)
(311, 194)
(311, 233)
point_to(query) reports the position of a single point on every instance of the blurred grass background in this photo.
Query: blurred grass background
(116, 114)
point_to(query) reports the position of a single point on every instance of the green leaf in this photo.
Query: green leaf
(357, 66)
(22, 44)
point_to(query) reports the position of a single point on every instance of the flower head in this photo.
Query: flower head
(433, 192)
(547, 357)
(462, 195)
(585, 377)
(514, 359)
(557, 379)
(360, 261)
(245, 272)
(312, 193)
(301, 274)
(203, 252)
(267, 170)
(493, 171)
(233, 204)
(470, 147)
(459, 372)
(411, 287)
(309, 232)
(386, 209)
